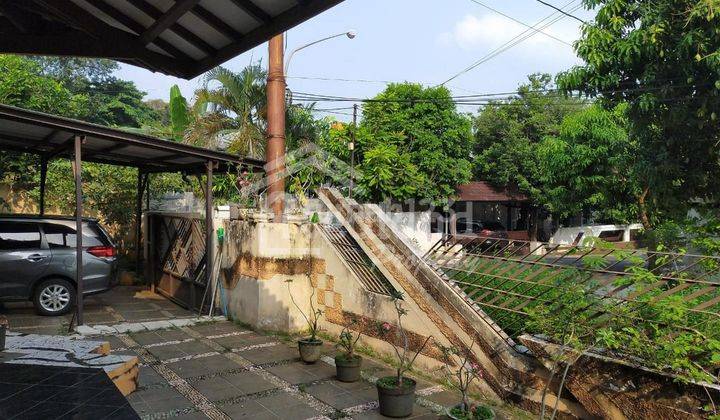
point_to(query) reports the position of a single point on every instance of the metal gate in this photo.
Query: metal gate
(177, 255)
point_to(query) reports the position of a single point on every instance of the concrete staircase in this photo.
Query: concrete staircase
(511, 374)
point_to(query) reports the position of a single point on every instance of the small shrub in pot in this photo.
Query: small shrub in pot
(461, 378)
(347, 363)
(396, 394)
(309, 347)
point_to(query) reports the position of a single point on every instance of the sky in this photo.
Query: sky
(425, 41)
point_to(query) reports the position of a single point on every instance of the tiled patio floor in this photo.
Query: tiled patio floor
(221, 370)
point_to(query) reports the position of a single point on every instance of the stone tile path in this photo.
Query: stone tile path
(220, 370)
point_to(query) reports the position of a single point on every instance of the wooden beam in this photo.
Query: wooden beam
(63, 147)
(106, 150)
(108, 42)
(180, 30)
(253, 10)
(171, 16)
(215, 22)
(279, 24)
(139, 29)
(20, 20)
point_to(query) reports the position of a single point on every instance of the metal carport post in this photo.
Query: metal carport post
(78, 227)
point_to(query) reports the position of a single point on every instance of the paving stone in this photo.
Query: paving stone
(191, 416)
(158, 325)
(148, 376)
(173, 351)
(204, 366)
(249, 382)
(129, 327)
(153, 337)
(285, 405)
(157, 401)
(86, 330)
(293, 373)
(182, 322)
(217, 388)
(245, 409)
(215, 328)
(271, 354)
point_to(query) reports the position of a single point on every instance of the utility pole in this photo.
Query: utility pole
(351, 146)
(275, 149)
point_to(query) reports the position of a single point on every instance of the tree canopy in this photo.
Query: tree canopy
(508, 133)
(416, 145)
(663, 59)
(588, 165)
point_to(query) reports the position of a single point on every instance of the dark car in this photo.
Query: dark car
(38, 260)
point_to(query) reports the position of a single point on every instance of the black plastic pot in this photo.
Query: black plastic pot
(2, 337)
(396, 401)
(310, 350)
(348, 368)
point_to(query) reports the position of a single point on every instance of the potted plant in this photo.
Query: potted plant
(461, 379)
(396, 394)
(347, 363)
(309, 347)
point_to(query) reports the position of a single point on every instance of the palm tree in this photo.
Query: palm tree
(230, 112)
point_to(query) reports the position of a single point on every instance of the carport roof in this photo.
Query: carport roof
(22, 130)
(177, 37)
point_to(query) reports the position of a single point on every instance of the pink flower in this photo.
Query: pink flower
(386, 326)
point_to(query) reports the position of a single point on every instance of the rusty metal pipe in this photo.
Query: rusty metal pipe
(275, 150)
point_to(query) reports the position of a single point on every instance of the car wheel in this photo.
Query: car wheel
(54, 297)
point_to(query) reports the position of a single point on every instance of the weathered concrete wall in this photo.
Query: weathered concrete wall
(260, 257)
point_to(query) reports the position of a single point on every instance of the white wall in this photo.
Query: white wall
(416, 226)
(567, 235)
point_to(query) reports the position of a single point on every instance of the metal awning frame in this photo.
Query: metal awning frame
(76, 136)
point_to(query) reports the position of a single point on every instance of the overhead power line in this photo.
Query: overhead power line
(521, 22)
(517, 39)
(561, 11)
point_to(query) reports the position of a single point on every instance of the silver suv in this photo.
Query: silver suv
(38, 260)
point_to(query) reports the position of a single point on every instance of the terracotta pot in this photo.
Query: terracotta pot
(310, 350)
(348, 368)
(396, 401)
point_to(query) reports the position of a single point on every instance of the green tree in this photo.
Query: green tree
(110, 101)
(230, 111)
(589, 165)
(508, 134)
(663, 58)
(179, 113)
(23, 85)
(422, 131)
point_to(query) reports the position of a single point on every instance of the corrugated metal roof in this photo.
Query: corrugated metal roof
(483, 191)
(177, 37)
(35, 132)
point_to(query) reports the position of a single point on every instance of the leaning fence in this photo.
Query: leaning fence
(595, 285)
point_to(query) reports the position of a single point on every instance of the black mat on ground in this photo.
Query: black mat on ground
(51, 392)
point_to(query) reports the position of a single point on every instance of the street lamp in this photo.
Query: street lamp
(350, 34)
